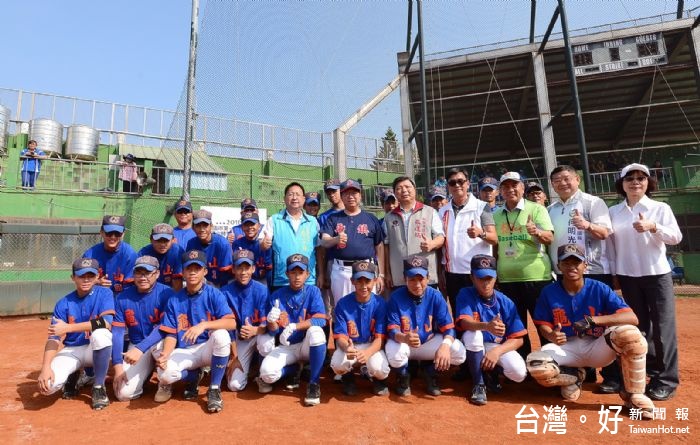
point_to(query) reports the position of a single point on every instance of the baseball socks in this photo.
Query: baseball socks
(478, 395)
(218, 368)
(316, 356)
(430, 375)
(100, 360)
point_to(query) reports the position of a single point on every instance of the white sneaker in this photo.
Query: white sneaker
(263, 387)
(164, 393)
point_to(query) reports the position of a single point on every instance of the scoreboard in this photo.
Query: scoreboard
(626, 53)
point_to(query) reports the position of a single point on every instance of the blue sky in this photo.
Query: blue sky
(305, 65)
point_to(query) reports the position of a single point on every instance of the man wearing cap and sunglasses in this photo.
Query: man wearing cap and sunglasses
(312, 203)
(215, 246)
(168, 253)
(139, 310)
(250, 223)
(183, 215)
(114, 255)
(237, 232)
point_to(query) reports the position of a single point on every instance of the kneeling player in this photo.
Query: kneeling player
(84, 317)
(492, 330)
(197, 320)
(299, 315)
(359, 330)
(248, 300)
(414, 314)
(139, 309)
(603, 330)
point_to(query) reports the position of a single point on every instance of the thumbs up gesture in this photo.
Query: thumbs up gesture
(579, 221)
(104, 281)
(531, 227)
(351, 351)
(557, 336)
(473, 231)
(644, 225)
(342, 237)
(496, 326)
(248, 330)
(274, 315)
(426, 245)
(266, 242)
(413, 338)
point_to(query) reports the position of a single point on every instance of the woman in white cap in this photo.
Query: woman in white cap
(641, 229)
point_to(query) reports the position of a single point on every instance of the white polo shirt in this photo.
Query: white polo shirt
(458, 250)
(643, 254)
(592, 209)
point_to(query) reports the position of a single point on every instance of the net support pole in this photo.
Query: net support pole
(545, 114)
(423, 95)
(189, 113)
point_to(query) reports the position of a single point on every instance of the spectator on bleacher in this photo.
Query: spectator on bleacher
(641, 229)
(237, 232)
(534, 192)
(488, 191)
(31, 164)
(129, 173)
(312, 203)
(657, 170)
(183, 215)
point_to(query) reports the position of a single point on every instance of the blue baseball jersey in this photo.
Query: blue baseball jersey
(555, 305)
(364, 233)
(170, 262)
(298, 306)
(470, 306)
(263, 258)
(361, 322)
(184, 311)
(429, 314)
(117, 265)
(324, 216)
(219, 258)
(73, 309)
(183, 236)
(248, 303)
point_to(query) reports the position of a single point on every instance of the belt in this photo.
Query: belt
(349, 263)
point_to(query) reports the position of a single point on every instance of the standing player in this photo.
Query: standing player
(196, 323)
(115, 256)
(492, 330)
(237, 232)
(312, 203)
(215, 246)
(263, 258)
(332, 191)
(139, 310)
(297, 314)
(248, 300)
(587, 325)
(488, 191)
(351, 235)
(168, 253)
(420, 328)
(359, 328)
(83, 319)
(183, 215)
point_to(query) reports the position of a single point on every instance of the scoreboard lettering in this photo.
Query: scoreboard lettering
(619, 54)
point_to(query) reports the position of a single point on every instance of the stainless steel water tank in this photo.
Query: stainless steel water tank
(48, 135)
(82, 142)
(4, 125)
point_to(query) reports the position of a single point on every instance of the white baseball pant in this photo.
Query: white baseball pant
(193, 357)
(281, 356)
(582, 352)
(512, 363)
(136, 375)
(238, 378)
(399, 354)
(377, 365)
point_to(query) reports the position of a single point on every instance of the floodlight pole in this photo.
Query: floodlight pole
(189, 112)
(574, 96)
(424, 102)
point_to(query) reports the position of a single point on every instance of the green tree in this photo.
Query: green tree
(388, 158)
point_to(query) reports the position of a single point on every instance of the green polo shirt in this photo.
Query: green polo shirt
(520, 256)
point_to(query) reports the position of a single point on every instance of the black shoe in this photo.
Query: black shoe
(313, 394)
(609, 387)
(349, 387)
(293, 381)
(192, 388)
(403, 385)
(70, 388)
(431, 385)
(379, 387)
(591, 375)
(478, 396)
(99, 398)
(661, 393)
(461, 375)
(214, 402)
(493, 382)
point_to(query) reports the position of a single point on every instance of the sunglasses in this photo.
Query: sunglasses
(456, 182)
(183, 211)
(113, 234)
(635, 178)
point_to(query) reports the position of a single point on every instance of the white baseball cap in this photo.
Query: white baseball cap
(510, 176)
(633, 167)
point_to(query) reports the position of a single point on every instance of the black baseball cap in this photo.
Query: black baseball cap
(488, 182)
(201, 216)
(249, 216)
(81, 266)
(113, 223)
(483, 266)
(567, 250)
(312, 197)
(241, 256)
(532, 185)
(332, 184)
(297, 260)
(349, 185)
(183, 204)
(194, 257)
(147, 262)
(364, 269)
(249, 203)
(162, 231)
(386, 195)
(415, 265)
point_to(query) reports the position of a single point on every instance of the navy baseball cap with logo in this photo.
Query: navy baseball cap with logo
(194, 257)
(533, 185)
(488, 182)
(297, 260)
(350, 184)
(249, 203)
(386, 195)
(201, 216)
(183, 204)
(483, 266)
(332, 184)
(81, 266)
(568, 250)
(162, 231)
(241, 256)
(249, 216)
(312, 197)
(113, 223)
(147, 262)
(364, 269)
(415, 265)
(438, 193)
